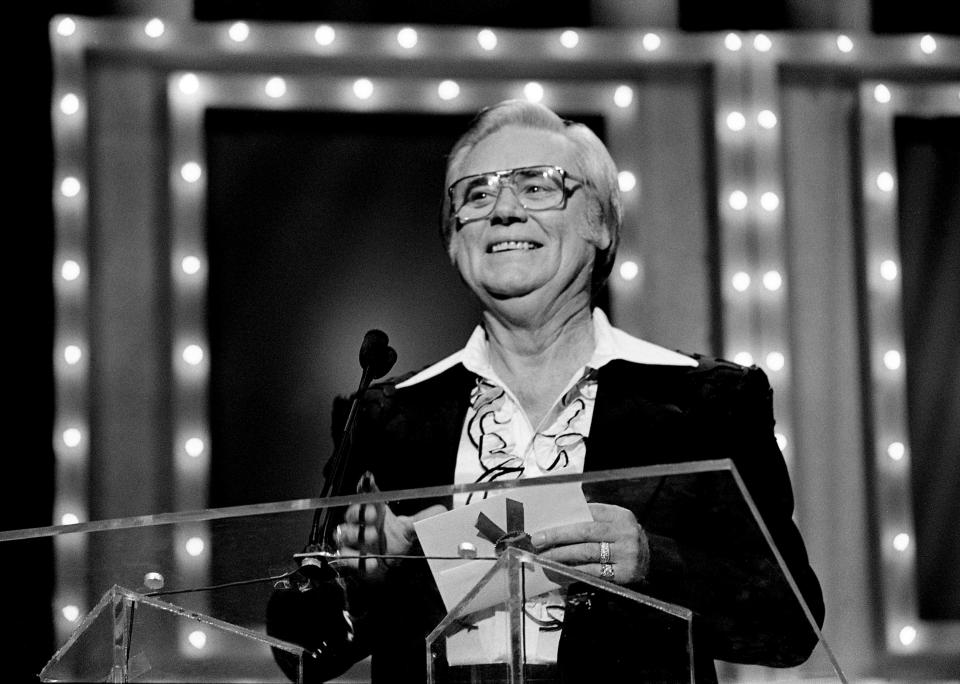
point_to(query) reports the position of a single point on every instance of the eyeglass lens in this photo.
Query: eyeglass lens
(536, 188)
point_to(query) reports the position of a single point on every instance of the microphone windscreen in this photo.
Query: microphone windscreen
(374, 348)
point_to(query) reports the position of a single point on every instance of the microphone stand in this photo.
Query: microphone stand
(319, 540)
(312, 605)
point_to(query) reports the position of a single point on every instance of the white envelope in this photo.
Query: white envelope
(543, 507)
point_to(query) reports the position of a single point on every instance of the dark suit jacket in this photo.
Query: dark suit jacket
(704, 554)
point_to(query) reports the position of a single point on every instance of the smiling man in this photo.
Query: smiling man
(531, 219)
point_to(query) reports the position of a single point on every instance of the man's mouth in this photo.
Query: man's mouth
(512, 245)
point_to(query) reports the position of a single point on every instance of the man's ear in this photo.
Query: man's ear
(598, 233)
(453, 245)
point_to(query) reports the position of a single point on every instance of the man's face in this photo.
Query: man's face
(517, 253)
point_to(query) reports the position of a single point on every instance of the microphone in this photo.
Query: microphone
(376, 356)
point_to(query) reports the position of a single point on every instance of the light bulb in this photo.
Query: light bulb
(487, 39)
(448, 90)
(623, 96)
(324, 35)
(627, 181)
(407, 38)
(629, 270)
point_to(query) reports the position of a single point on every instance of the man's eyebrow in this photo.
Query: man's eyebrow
(480, 179)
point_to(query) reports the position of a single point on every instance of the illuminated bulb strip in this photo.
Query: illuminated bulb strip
(880, 103)
(71, 431)
(190, 352)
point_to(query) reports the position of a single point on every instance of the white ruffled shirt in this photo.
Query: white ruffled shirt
(498, 441)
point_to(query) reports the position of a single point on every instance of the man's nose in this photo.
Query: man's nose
(507, 208)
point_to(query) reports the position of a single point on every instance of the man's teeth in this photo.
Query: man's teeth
(512, 244)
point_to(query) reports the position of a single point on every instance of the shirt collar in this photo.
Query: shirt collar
(611, 344)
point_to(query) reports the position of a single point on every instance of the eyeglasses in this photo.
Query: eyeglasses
(537, 188)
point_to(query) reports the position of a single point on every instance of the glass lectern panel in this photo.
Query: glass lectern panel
(185, 596)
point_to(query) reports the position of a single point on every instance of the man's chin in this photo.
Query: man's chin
(502, 294)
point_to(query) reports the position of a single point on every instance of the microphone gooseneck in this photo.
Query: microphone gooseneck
(376, 357)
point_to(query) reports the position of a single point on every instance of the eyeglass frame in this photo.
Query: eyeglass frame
(566, 192)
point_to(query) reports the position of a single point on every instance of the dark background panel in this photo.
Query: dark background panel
(928, 166)
(321, 226)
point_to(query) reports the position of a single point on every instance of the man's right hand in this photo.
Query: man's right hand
(383, 533)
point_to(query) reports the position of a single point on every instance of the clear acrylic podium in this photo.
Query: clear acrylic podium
(127, 635)
(722, 596)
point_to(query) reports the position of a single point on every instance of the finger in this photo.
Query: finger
(349, 536)
(602, 512)
(370, 513)
(352, 557)
(573, 534)
(574, 554)
(596, 570)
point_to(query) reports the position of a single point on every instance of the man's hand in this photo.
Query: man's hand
(383, 533)
(580, 545)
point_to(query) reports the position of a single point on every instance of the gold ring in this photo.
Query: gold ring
(604, 553)
(606, 571)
